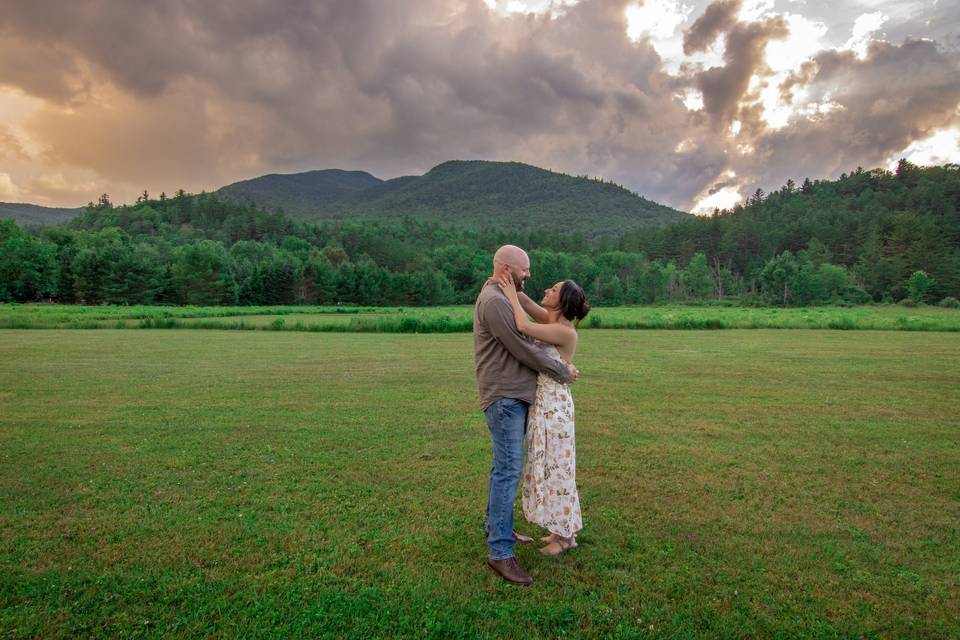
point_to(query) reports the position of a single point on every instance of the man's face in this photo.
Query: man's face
(520, 272)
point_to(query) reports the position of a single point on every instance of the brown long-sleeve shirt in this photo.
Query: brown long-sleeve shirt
(507, 361)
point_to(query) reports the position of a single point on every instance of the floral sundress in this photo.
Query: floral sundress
(549, 494)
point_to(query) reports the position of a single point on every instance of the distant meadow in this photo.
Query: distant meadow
(455, 319)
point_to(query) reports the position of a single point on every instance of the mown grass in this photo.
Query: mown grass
(270, 484)
(460, 319)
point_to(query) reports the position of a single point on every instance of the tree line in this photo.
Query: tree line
(871, 235)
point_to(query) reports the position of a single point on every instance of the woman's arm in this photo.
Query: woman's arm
(553, 333)
(535, 311)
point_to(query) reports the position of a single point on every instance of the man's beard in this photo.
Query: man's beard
(518, 281)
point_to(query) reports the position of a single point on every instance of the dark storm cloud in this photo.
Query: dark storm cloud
(720, 186)
(878, 106)
(39, 69)
(724, 87)
(126, 40)
(719, 17)
(194, 94)
(798, 78)
(245, 87)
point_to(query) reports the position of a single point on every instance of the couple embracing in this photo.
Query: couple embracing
(524, 368)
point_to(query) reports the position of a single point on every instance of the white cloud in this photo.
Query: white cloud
(785, 56)
(752, 10)
(15, 104)
(865, 25)
(660, 21)
(15, 108)
(712, 57)
(57, 182)
(692, 99)
(818, 109)
(657, 18)
(505, 7)
(775, 113)
(940, 148)
(8, 190)
(722, 199)
(804, 41)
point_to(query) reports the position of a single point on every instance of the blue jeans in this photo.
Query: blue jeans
(507, 421)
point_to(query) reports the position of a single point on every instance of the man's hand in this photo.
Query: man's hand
(573, 373)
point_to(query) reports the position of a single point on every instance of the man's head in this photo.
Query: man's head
(512, 260)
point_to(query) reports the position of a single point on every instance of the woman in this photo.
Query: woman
(550, 496)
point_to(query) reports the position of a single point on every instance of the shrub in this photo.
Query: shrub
(752, 300)
(844, 323)
(158, 322)
(908, 302)
(697, 322)
(410, 325)
(919, 284)
(855, 295)
(950, 303)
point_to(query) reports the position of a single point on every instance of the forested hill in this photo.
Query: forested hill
(468, 194)
(881, 226)
(311, 195)
(35, 214)
(874, 234)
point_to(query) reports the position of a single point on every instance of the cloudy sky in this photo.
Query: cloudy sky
(691, 103)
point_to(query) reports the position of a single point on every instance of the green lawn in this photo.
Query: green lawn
(256, 484)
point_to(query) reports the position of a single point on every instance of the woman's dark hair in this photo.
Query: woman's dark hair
(573, 302)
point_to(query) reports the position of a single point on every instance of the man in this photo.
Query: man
(507, 364)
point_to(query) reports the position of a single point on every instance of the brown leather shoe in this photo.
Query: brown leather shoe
(510, 571)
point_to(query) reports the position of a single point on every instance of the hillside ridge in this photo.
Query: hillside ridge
(26, 213)
(468, 193)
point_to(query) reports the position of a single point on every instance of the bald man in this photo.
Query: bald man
(507, 364)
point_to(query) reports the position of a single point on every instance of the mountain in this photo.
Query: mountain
(471, 194)
(35, 214)
(300, 194)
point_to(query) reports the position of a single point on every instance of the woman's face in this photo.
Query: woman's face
(551, 297)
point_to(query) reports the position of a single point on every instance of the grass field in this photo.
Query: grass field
(281, 484)
(459, 319)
